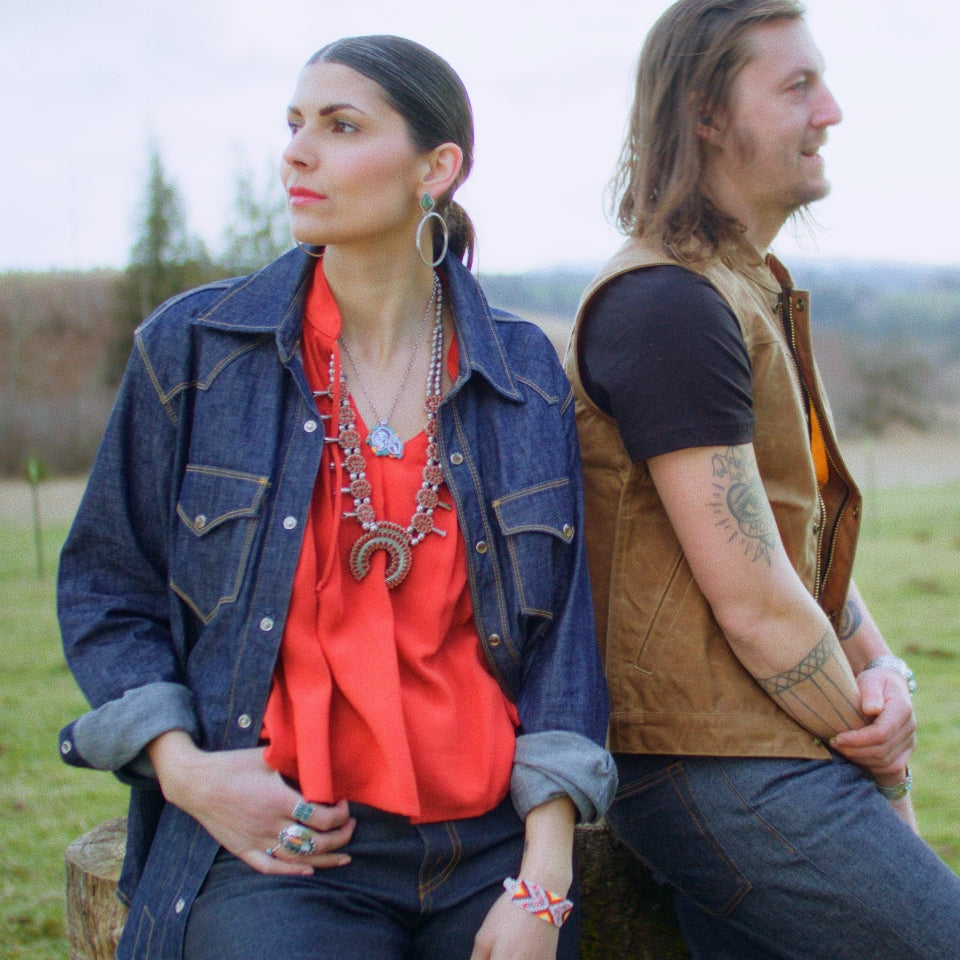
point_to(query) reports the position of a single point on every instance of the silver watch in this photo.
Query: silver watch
(897, 791)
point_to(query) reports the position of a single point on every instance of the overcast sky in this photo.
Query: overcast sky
(88, 85)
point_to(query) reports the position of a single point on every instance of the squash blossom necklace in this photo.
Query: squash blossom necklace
(392, 538)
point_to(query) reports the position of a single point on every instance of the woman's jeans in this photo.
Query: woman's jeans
(411, 892)
(797, 859)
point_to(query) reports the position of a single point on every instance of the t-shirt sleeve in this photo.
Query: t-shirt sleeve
(662, 353)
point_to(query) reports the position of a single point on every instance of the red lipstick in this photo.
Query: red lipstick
(303, 195)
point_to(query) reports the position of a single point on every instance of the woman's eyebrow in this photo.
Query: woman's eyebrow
(295, 111)
(334, 107)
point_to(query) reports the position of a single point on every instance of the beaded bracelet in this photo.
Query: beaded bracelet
(537, 900)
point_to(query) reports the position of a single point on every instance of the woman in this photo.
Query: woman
(333, 619)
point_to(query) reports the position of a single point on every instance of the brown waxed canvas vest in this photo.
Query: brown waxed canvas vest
(676, 686)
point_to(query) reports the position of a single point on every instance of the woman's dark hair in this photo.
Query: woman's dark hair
(686, 68)
(426, 91)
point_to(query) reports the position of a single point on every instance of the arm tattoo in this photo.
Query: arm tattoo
(811, 688)
(850, 621)
(740, 504)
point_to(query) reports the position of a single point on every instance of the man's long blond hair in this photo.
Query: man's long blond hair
(686, 67)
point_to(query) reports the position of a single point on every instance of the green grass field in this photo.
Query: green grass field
(909, 572)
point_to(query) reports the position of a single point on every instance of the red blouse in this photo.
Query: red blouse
(382, 696)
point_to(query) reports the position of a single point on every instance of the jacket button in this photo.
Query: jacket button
(66, 747)
(244, 721)
(266, 624)
(310, 426)
(856, 511)
(800, 304)
(568, 531)
(481, 547)
(456, 459)
(199, 521)
(494, 639)
(289, 523)
(179, 905)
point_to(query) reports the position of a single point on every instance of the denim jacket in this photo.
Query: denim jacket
(176, 575)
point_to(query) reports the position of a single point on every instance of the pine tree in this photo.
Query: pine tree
(259, 231)
(165, 259)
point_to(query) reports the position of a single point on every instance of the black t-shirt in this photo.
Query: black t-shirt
(662, 353)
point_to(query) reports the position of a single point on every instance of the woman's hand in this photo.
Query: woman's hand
(244, 804)
(511, 933)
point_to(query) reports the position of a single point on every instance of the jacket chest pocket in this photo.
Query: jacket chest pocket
(218, 511)
(538, 527)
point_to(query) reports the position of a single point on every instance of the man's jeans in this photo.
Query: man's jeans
(410, 893)
(787, 859)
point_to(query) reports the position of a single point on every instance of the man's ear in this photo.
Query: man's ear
(443, 167)
(711, 124)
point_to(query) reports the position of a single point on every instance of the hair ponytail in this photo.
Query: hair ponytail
(461, 233)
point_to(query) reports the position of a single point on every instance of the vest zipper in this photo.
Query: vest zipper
(787, 318)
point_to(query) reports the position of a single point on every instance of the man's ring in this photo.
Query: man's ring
(303, 811)
(297, 839)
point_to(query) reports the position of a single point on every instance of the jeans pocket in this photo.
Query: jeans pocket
(658, 818)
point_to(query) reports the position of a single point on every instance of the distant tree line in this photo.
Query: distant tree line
(66, 335)
(887, 335)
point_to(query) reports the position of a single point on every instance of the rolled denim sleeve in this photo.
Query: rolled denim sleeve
(113, 736)
(113, 601)
(563, 703)
(558, 763)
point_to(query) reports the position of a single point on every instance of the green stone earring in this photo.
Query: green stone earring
(427, 205)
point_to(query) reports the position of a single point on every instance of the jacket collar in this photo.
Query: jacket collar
(482, 349)
(272, 299)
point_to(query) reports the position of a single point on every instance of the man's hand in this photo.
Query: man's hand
(884, 746)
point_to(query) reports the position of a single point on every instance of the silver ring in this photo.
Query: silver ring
(297, 839)
(303, 811)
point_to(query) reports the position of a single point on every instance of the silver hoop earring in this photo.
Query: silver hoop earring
(307, 251)
(427, 204)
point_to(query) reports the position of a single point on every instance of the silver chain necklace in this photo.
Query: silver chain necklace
(395, 540)
(383, 439)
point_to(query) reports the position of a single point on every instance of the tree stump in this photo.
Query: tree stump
(95, 916)
(625, 915)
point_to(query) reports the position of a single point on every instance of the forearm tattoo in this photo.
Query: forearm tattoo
(850, 621)
(740, 504)
(814, 690)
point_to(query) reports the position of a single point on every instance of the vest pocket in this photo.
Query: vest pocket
(537, 523)
(218, 512)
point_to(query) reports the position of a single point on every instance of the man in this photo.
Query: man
(761, 725)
